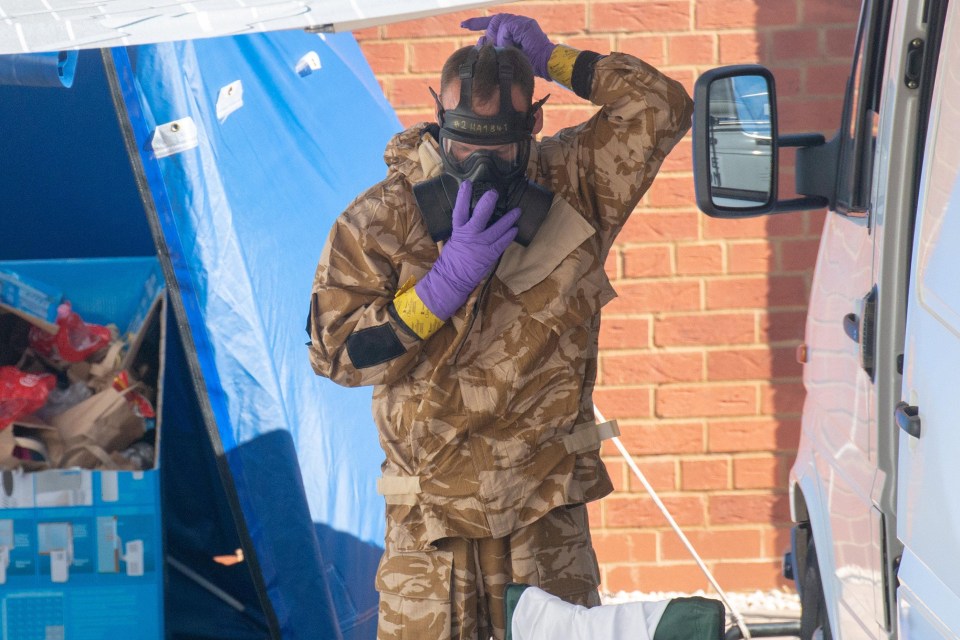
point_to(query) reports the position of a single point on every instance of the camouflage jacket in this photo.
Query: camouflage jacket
(476, 420)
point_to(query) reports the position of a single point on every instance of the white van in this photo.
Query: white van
(875, 489)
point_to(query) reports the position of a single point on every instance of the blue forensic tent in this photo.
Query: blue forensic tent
(228, 158)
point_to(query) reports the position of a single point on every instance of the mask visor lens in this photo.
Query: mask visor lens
(464, 156)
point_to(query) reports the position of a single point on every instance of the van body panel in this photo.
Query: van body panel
(837, 424)
(921, 594)
(929, 471)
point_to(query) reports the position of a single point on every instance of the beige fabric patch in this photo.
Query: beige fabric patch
(562, 231)
(398, 485)
(587, 437)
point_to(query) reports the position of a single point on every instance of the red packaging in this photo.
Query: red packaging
(22, 393)
(142, 406)
(74, 342)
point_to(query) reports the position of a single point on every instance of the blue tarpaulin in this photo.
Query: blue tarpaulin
(273, 135)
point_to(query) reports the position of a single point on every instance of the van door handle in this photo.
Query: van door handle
(862, 329)
(908, 418)
(851, 327)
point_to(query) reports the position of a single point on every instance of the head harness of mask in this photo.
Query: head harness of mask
(497, 151)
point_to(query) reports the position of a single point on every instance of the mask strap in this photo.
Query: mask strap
(466, 80)
(505, 74)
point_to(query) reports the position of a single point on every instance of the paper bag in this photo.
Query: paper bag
(8, 442)
(93, 429)
(39, 440)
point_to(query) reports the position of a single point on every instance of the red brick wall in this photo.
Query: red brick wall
(697, 353)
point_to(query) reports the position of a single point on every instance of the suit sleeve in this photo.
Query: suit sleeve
(612, 158)
(356, 335)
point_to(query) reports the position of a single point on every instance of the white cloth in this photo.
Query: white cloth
(541, 616)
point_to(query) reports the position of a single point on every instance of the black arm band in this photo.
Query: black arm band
(582, 79)
(373, 346)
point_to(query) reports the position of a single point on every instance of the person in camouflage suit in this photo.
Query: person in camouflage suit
(483, 399)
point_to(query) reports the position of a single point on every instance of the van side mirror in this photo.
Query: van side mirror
(740, 143)
(736, 144)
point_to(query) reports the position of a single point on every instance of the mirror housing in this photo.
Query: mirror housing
(736, 147)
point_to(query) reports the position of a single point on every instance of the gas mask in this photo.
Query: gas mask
(490, 151)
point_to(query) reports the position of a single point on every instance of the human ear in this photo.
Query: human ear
(538, 121)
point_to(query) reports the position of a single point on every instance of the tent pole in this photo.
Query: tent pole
(206, 584)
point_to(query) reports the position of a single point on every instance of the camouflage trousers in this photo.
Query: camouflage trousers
(455, 590)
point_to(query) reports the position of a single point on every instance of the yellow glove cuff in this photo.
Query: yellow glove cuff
(414, 313)
(560, 64)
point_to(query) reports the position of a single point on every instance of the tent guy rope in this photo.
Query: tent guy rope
(737, 616)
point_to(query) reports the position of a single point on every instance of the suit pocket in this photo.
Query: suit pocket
(414, 591)
(566, 563)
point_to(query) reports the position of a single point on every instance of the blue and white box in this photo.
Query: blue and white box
(81, 551)
(34, 300)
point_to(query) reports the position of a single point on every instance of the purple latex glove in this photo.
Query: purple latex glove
(469, 254)
(508, 30)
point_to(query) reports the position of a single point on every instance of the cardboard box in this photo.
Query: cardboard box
(31, 299)
(81, 551)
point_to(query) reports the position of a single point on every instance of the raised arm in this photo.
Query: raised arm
(610, 160)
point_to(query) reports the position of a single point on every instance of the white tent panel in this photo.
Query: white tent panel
(53, 25)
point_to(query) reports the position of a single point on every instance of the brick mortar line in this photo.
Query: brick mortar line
(704, 424)
(708, 493)
(703, 457)
(678, 420)
(678, 562)
(703, 307)
(701, 496)
(667, 457)
(778, 416)
(710, 349)
(637, 246)
(756, 345)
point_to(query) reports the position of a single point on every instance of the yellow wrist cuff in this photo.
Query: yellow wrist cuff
(560, 64)
(414, 313)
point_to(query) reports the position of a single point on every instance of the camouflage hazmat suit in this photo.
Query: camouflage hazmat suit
(487, 425)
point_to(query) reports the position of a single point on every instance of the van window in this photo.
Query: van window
(935, 19)
(940, 228)
(861, 109)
